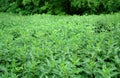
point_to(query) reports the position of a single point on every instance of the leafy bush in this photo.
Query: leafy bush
(95, 6)
(60, 7)
(47, 46)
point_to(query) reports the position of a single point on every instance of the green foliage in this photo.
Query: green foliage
(48, 46)
(95, 6)
(60, 7)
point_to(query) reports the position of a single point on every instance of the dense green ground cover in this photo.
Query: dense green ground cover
(48, 46)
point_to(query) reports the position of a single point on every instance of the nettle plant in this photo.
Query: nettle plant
(63, 47)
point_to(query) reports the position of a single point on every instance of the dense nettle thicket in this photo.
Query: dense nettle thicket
(60, 6)
(54, 46)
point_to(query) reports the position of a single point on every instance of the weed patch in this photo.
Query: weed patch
(48, 46)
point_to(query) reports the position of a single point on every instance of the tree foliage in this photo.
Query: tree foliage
(60, 6)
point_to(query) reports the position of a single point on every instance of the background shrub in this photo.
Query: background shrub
(60, 7)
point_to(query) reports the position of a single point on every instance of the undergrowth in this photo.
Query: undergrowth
(48, 46)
